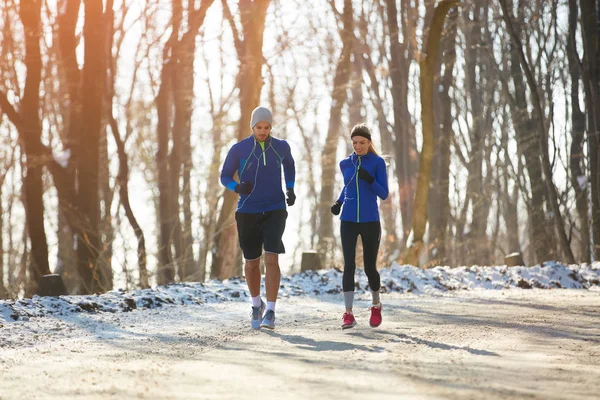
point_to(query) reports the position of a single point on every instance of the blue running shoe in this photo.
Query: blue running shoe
(269, 320)
(257, 315)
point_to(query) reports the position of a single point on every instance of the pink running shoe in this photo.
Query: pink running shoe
(348, 321)
(375, 319)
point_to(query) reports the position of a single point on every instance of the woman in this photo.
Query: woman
(365, 179)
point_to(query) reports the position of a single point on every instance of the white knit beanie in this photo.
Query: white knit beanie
(261, 114)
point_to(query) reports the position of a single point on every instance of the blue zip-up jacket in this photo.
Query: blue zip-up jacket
(359, 198)
(260, 163)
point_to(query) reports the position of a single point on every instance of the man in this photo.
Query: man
(261, 212)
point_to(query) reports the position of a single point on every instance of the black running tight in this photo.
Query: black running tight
(370, 233)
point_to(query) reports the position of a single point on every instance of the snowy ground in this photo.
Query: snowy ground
(476, 332)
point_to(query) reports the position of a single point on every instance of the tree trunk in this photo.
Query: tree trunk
(3, 291)
(123, 174)
(183, 86)
(189, 266)
(213, 187)
(405, 141)
(509, 200)
(30, 13)
(164, 108)
(577, 158)
(427, 65)
(123, 180)
(591, 79)
(77, 183)
(166, 269)
(12, 266)
(328, 156)
(356, 101)
(542, 239)
(21, 280)
(476, 243)
(107, 195)
(68, 41)
(174, 168)
(70, 81)
(439, 200)
(212, 196)
(88, 151)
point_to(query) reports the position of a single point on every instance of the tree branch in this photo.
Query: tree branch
(236, 35)
(7, 108)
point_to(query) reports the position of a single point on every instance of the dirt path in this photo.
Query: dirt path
(472, 345)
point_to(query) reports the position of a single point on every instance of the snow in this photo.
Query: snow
(62, 158)
(398, 278)
(470, 332)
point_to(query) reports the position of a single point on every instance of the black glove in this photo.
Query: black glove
(291, 197)
(365, 176)
(244, 187)
(336, 207)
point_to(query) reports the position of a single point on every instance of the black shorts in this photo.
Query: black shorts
(262, 229)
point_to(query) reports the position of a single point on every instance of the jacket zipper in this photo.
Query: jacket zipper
(357, 192)
(262, 144)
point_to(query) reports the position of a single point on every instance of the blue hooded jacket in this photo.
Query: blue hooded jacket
(260, 163)
(359, 198)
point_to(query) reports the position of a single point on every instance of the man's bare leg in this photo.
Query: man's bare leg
(272, 276)
(252, 271)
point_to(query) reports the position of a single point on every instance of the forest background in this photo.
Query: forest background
(116, 115)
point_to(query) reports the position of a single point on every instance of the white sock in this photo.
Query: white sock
(256, 301)
(348, 299)
(271, 305)
(375, 297)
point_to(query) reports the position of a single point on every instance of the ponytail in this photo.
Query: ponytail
(372, 149)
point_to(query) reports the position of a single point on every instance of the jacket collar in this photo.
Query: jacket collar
(355, 156)
(266, 142)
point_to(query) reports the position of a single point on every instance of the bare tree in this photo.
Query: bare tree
(89, 243)
(31, 132)
(542, 239)
(164, 104)
(3, 291)
(427, 63)
(577, 160)
(366, 60)
(181, 156)
(123, 174)
(477, 75)
(509, 198)
(591, 81)
(218, 106)
(69, 78)
(28, 124)
(7, 165)
(542, 137)
(439, 202)
(403, 47)
(174, 105)
(338, 100)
